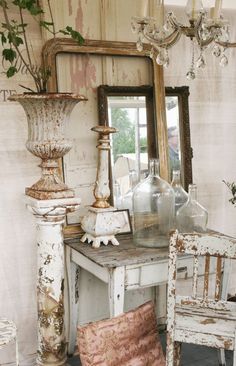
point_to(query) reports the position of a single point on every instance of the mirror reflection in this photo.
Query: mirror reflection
(131, 111)
(129, 155)
(172, 120)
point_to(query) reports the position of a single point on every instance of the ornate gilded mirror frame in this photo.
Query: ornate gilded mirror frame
(58, 46)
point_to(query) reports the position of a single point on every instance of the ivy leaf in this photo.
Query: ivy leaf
(18, 41)
(4, 25)
(3, 4)
(46, 25)
(30, 5)
(35, 10)
(9, 54)
(23, 25)
(10, 37)
(3, 38)
(11, 71)
(74, 34)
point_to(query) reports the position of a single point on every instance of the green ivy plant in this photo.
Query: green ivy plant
(232, 188)
(14, 39)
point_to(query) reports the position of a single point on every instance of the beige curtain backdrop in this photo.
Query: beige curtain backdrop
(213, 134)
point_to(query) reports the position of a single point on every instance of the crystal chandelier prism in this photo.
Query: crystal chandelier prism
(205, 30)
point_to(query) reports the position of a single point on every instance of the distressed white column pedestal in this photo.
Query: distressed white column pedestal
(50, 216)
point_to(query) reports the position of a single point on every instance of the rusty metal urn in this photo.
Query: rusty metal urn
(47, 116)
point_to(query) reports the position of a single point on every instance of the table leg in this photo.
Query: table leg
(71, 301)
(116, 289)
(160, 301)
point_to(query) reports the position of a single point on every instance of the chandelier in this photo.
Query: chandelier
(205, 30)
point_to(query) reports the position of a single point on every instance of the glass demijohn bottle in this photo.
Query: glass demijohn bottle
(181, 196)
(192, 217)
(153, 207)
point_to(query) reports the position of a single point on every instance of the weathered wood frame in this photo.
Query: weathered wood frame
(57, 46)
(182, 92)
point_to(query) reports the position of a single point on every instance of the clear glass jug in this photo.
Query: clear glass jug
(192, 217)
(153, 208)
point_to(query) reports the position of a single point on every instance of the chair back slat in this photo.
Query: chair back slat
(195, 275)
(218, 278)
(206, 277)
(214, 245)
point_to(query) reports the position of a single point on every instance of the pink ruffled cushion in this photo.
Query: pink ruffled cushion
(130, 339)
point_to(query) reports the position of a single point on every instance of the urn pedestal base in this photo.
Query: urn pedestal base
(100, 226)
(50, 217)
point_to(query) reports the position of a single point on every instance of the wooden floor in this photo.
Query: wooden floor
(191, 356)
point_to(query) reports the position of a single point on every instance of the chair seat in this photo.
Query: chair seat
(205, 326)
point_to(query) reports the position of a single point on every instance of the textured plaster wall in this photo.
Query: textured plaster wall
(213, 133)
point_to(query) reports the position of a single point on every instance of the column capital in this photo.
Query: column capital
(51, 211)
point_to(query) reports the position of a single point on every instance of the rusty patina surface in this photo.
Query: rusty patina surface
(47, 117)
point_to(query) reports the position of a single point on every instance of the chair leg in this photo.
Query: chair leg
(170, 351)
(177, 353)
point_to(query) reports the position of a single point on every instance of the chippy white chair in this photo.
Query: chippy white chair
(205, 320)
(8, 333)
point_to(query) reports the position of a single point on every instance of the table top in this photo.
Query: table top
(126, 253)
(122, 255)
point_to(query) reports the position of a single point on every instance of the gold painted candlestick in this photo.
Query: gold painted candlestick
(101, 224)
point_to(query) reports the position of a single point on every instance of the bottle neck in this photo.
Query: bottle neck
(192, 192)
(154, 167)
(133, 179)
(117, 189)
(176, 178)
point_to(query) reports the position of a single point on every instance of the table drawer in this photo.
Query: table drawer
(157, 273)
(153, 274)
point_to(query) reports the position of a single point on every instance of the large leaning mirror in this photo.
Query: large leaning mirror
(132, 112)
(81, 69)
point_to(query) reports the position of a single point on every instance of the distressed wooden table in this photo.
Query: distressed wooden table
(123, 268)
